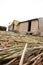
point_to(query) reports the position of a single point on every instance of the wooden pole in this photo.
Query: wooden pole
(23, 54)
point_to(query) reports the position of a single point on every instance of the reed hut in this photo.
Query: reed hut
(33, 26)
(3, 28)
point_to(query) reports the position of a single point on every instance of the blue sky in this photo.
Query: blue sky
(19, 10)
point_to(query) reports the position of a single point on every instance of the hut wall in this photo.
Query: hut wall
(10, 27)
(17, 28)
(23, 27)
(41, 26)
(34, 26)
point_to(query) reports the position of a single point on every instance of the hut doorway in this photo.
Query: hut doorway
(13, 27)
(29, 26)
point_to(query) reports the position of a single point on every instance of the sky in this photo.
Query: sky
(20, 10)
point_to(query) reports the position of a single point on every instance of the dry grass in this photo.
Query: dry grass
(11, 45)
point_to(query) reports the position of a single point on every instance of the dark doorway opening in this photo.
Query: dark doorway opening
(29, 26)
(13, 27)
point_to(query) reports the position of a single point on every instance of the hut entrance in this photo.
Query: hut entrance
(13, 27)
(29, 26)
